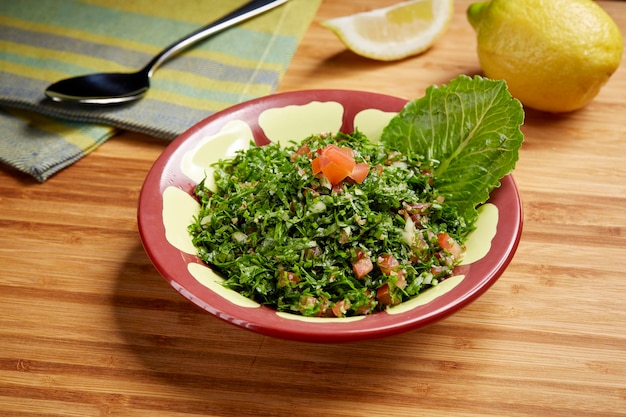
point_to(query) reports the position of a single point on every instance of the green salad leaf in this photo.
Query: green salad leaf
(469, 130)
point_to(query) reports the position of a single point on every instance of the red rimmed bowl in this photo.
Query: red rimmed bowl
(167, 206)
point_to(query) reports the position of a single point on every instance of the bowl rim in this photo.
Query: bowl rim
(169, 261)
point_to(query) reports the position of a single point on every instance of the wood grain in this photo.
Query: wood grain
(89, 328)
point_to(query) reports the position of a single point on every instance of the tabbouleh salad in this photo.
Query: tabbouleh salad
(364, 231)
(340, 226)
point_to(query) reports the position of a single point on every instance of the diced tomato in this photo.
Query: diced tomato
(448, 244)
(362, 264)
(385, 296)
(302, 150)
(390, 266)
(359, 173)
(336, 164)
(387, 263)
(347, 151)
(343, 157)
(316, 165)
(334, 172)
(340, 308)
(400, 280)
(362, 267)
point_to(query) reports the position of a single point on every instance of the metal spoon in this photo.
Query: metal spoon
(115, 88)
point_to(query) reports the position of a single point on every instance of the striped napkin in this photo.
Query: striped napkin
(43, 41)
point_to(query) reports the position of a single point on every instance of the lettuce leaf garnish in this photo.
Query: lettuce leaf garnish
(469, 131)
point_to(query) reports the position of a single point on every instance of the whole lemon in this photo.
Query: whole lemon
(555, 55)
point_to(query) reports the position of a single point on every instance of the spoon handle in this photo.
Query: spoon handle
(248, 10)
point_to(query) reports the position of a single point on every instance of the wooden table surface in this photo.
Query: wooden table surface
(89, 328)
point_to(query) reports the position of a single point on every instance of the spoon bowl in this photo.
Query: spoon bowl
(103, 88)
(117, 88)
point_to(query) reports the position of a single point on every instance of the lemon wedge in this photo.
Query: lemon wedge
(395, 32)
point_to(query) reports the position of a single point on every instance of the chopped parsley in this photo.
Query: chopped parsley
(290, 239)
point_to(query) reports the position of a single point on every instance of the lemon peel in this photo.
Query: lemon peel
(395, 32)
(554, 55)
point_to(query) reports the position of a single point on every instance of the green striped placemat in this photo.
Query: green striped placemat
(42, 41)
